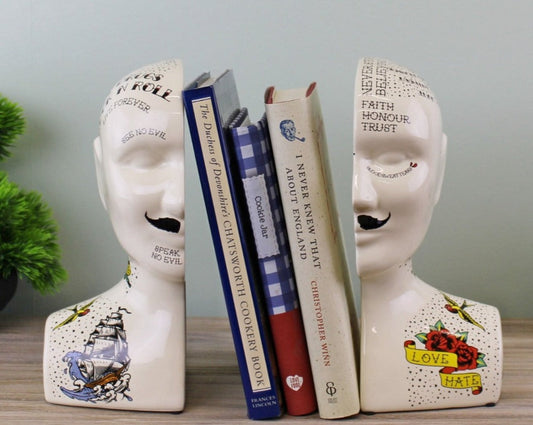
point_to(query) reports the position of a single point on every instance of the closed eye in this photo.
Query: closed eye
(391, 158)
(381, 174)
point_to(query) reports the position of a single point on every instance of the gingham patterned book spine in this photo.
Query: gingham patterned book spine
(256, 167)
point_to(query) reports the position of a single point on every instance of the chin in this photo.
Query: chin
(368, 265)
(370, 262)
(160, 259)
(170, 272)
(367, 269)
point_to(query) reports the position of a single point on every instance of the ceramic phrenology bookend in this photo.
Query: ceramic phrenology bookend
(125, 348)
(421, 348)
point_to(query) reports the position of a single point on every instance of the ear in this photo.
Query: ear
(442, 166)
(97, 148)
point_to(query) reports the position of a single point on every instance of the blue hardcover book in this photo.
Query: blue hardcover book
(252, 148)
(210, 105)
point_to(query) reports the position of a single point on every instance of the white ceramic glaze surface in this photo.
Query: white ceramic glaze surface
(125, 348)
(420, 348)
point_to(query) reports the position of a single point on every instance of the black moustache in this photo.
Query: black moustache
(368, 222)
(168, 224)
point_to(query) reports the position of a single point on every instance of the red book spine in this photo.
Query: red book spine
(293, 362)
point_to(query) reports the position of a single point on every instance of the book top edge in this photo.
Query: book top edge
(272, 95)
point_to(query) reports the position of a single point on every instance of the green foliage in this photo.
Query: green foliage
(28, 242)
(28, 233)
(12, 125)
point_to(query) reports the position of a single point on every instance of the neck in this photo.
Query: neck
(397, 287)
(154, 291)
(397, 276)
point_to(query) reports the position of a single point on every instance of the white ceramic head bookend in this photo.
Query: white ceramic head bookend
(420, 348)
(125, 348)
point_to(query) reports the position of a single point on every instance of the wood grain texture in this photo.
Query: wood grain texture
(214, 394)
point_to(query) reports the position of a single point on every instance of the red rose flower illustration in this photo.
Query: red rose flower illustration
(440, 341)
(466, 356)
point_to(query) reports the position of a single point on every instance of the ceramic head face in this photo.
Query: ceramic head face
(140, 166)
(398, 163)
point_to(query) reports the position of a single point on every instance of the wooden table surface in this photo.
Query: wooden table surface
(214, 394)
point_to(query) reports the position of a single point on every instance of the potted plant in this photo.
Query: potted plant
(28, 233)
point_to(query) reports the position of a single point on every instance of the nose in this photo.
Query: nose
(173, 201)
(364, 196)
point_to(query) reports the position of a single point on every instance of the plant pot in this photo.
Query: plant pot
(8, 287)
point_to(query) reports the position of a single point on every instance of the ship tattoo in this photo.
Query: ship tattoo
(99, 372)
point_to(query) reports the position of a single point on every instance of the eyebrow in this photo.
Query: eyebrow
(412, 145)
(141, 142)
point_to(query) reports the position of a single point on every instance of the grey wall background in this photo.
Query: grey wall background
(59, 59)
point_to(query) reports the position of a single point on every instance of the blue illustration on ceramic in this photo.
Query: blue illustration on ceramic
(99, 372)
(288, 130)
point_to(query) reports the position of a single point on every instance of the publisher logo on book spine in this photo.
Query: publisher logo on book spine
(294, 382)
(331, 390)
(288, 130)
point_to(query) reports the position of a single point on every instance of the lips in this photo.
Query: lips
(368, 222)
(166, 223)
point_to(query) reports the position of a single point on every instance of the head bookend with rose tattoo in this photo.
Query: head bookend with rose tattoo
(96, 352)
(398, 167)
(399, 156)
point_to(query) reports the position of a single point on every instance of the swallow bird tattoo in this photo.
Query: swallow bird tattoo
(77, 312)
(455, 308)
(127, 275)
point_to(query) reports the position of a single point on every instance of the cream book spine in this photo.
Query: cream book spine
(324, 287)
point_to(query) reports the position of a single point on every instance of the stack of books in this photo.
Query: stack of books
(273, 220)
